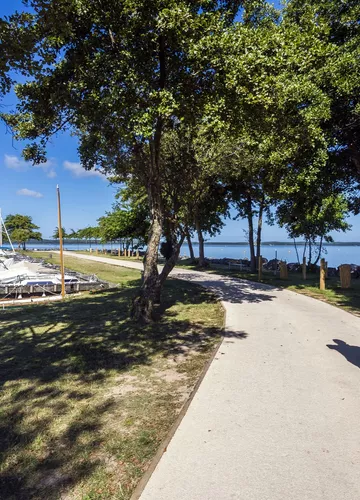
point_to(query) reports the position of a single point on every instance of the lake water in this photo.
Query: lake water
(335, 255)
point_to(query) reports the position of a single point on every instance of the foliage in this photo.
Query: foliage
(128, 220)
(21, 228)
(56, 235)
(313, 219)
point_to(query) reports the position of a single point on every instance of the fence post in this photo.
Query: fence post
(322, 274)
(345, 275)
(283, 271)
(260, 268)
(304, 268)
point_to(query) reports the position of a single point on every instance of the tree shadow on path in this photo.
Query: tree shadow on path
(230, 289)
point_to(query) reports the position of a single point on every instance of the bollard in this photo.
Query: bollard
(283, 271)
(260, 264)
(322, 274)
(345, 275)
(304, 268)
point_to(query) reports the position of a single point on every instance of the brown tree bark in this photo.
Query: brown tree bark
(191, 249)
(201, 245)
(143, 304)
(259, 230)
(251, 234)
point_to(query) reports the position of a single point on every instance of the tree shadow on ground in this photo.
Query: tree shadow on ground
(229, 289)
(350, 352)
(53, 357)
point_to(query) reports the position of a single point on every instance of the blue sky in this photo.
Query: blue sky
(85, 195)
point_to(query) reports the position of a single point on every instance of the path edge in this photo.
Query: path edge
(140, 487)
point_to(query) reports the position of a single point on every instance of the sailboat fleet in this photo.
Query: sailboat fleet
(20, 274)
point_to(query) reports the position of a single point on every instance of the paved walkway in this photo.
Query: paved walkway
(277, 416)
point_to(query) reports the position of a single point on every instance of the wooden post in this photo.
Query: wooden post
(137, 253)
(345, 275)
(260, 268)
(304, 268)
(283, 271)
(322, 274)
(62, 269)
(119, 252)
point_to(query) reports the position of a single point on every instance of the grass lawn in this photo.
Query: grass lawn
(87, 394)
(348, 299)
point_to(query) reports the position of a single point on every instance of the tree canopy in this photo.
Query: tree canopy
(22, 229)
(194, 107)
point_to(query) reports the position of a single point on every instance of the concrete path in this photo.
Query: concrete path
(277, 416)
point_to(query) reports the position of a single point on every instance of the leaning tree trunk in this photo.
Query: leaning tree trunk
(168, 267)
(310, 253)
(320, 250)
(251, 234)
(259, 230)
(143, 305)
(201, 245)
(191, 249)
(296, 250)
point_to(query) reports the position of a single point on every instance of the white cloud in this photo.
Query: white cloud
(20, 165)
(48, 167)
(78, 171)
(51, 174)
(29, 192)
(15, 163)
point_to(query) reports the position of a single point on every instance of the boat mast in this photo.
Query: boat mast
(62, 269)
(2, 225)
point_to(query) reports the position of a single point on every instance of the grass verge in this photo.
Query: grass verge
(348, 299)
(87, 394)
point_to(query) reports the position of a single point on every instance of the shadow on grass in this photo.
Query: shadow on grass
(52, 359)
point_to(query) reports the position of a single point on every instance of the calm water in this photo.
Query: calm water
(335, 255)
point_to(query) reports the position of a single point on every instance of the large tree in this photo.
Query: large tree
(22, 229)
(118, 74)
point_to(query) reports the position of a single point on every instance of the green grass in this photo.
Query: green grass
(348, 299)
(87, 394)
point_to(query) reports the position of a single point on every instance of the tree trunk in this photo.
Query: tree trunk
(24, 245)
(251, 234)
(191, 249)
(143, 305)
(310, 253)
(168, 267)
(320, 249)
(259, 229)
(201, 245)
(305, 247)
(296, 250)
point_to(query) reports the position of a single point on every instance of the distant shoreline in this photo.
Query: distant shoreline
(207, 243)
